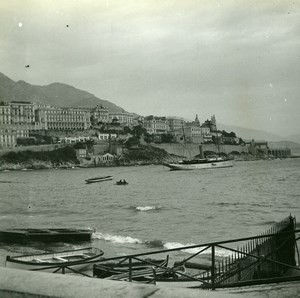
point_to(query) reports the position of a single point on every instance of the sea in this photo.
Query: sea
(158, 209)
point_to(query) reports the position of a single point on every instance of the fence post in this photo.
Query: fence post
(130, 269)
(213, 267)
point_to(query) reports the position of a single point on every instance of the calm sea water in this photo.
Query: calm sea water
(158, 209)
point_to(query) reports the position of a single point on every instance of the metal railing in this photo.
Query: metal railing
(260, 259)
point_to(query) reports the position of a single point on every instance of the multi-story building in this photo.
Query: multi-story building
(175, 123)
(206, 134)
(211, 124)
(22, 113)
(100, 114)
(7, 137)
(53, 118)
(5, 114)
(156, 125)
(16, 120)
(193, 131)
(125, 119)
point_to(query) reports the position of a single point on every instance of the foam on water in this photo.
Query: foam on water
(159, 244)
(219, 251)
(115, 238)
(146, 208)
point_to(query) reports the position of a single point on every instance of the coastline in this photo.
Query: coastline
(40, 165)
(65, 158)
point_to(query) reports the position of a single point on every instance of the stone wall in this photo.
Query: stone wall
(190, 150)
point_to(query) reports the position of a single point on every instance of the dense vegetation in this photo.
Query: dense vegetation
(144, 155)
(55, 157)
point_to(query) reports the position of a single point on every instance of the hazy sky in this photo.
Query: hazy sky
(239, 60)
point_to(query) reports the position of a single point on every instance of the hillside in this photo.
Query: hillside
(249, 134)
(56, 94)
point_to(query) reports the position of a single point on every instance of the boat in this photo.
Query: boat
(122, 182)
(120, 270)
(78, 259)
(45, 235)
(209, 162)
(180, 277)
(98, 179)
(161, 276)
(198, 164)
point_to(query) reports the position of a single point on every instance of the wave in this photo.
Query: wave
(159, 244)
(115, 238)
(147, 208)
(218, 251)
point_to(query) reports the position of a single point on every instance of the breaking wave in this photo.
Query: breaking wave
(146, 208)
(158, 244)
(116, 238)
(219, 251)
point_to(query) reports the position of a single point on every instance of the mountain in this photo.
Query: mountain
(56, 94)
(249, 134)
(293, 138)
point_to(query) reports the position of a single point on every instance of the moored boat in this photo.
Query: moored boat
(78, 259)
(122, 182)
(98, 179)
(45, 235)
(199, 164)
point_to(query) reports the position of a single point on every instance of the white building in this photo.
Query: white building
(156, 125)
(125, 119)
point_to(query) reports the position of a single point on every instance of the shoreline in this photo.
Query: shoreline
(6, 167)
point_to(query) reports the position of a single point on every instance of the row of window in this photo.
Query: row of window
(70, 112)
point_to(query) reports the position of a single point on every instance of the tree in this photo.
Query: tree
(133, 141)
(166, 138)
(138, 131)
(148, 138)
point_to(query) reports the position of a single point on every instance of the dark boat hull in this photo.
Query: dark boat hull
(45, 235)
(98, 179)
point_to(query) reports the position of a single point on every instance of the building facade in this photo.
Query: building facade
(52, 118)
(125, 119)
(175, 123)
(156, 125)
(100, 114)
(16, 120)
(5, 114)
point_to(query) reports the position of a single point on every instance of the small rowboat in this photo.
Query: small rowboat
(78, 260)
(121, 182)
(98, 179)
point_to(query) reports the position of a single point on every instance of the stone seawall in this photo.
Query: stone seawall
(190, 150)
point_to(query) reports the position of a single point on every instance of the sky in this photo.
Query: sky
(236, 59)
